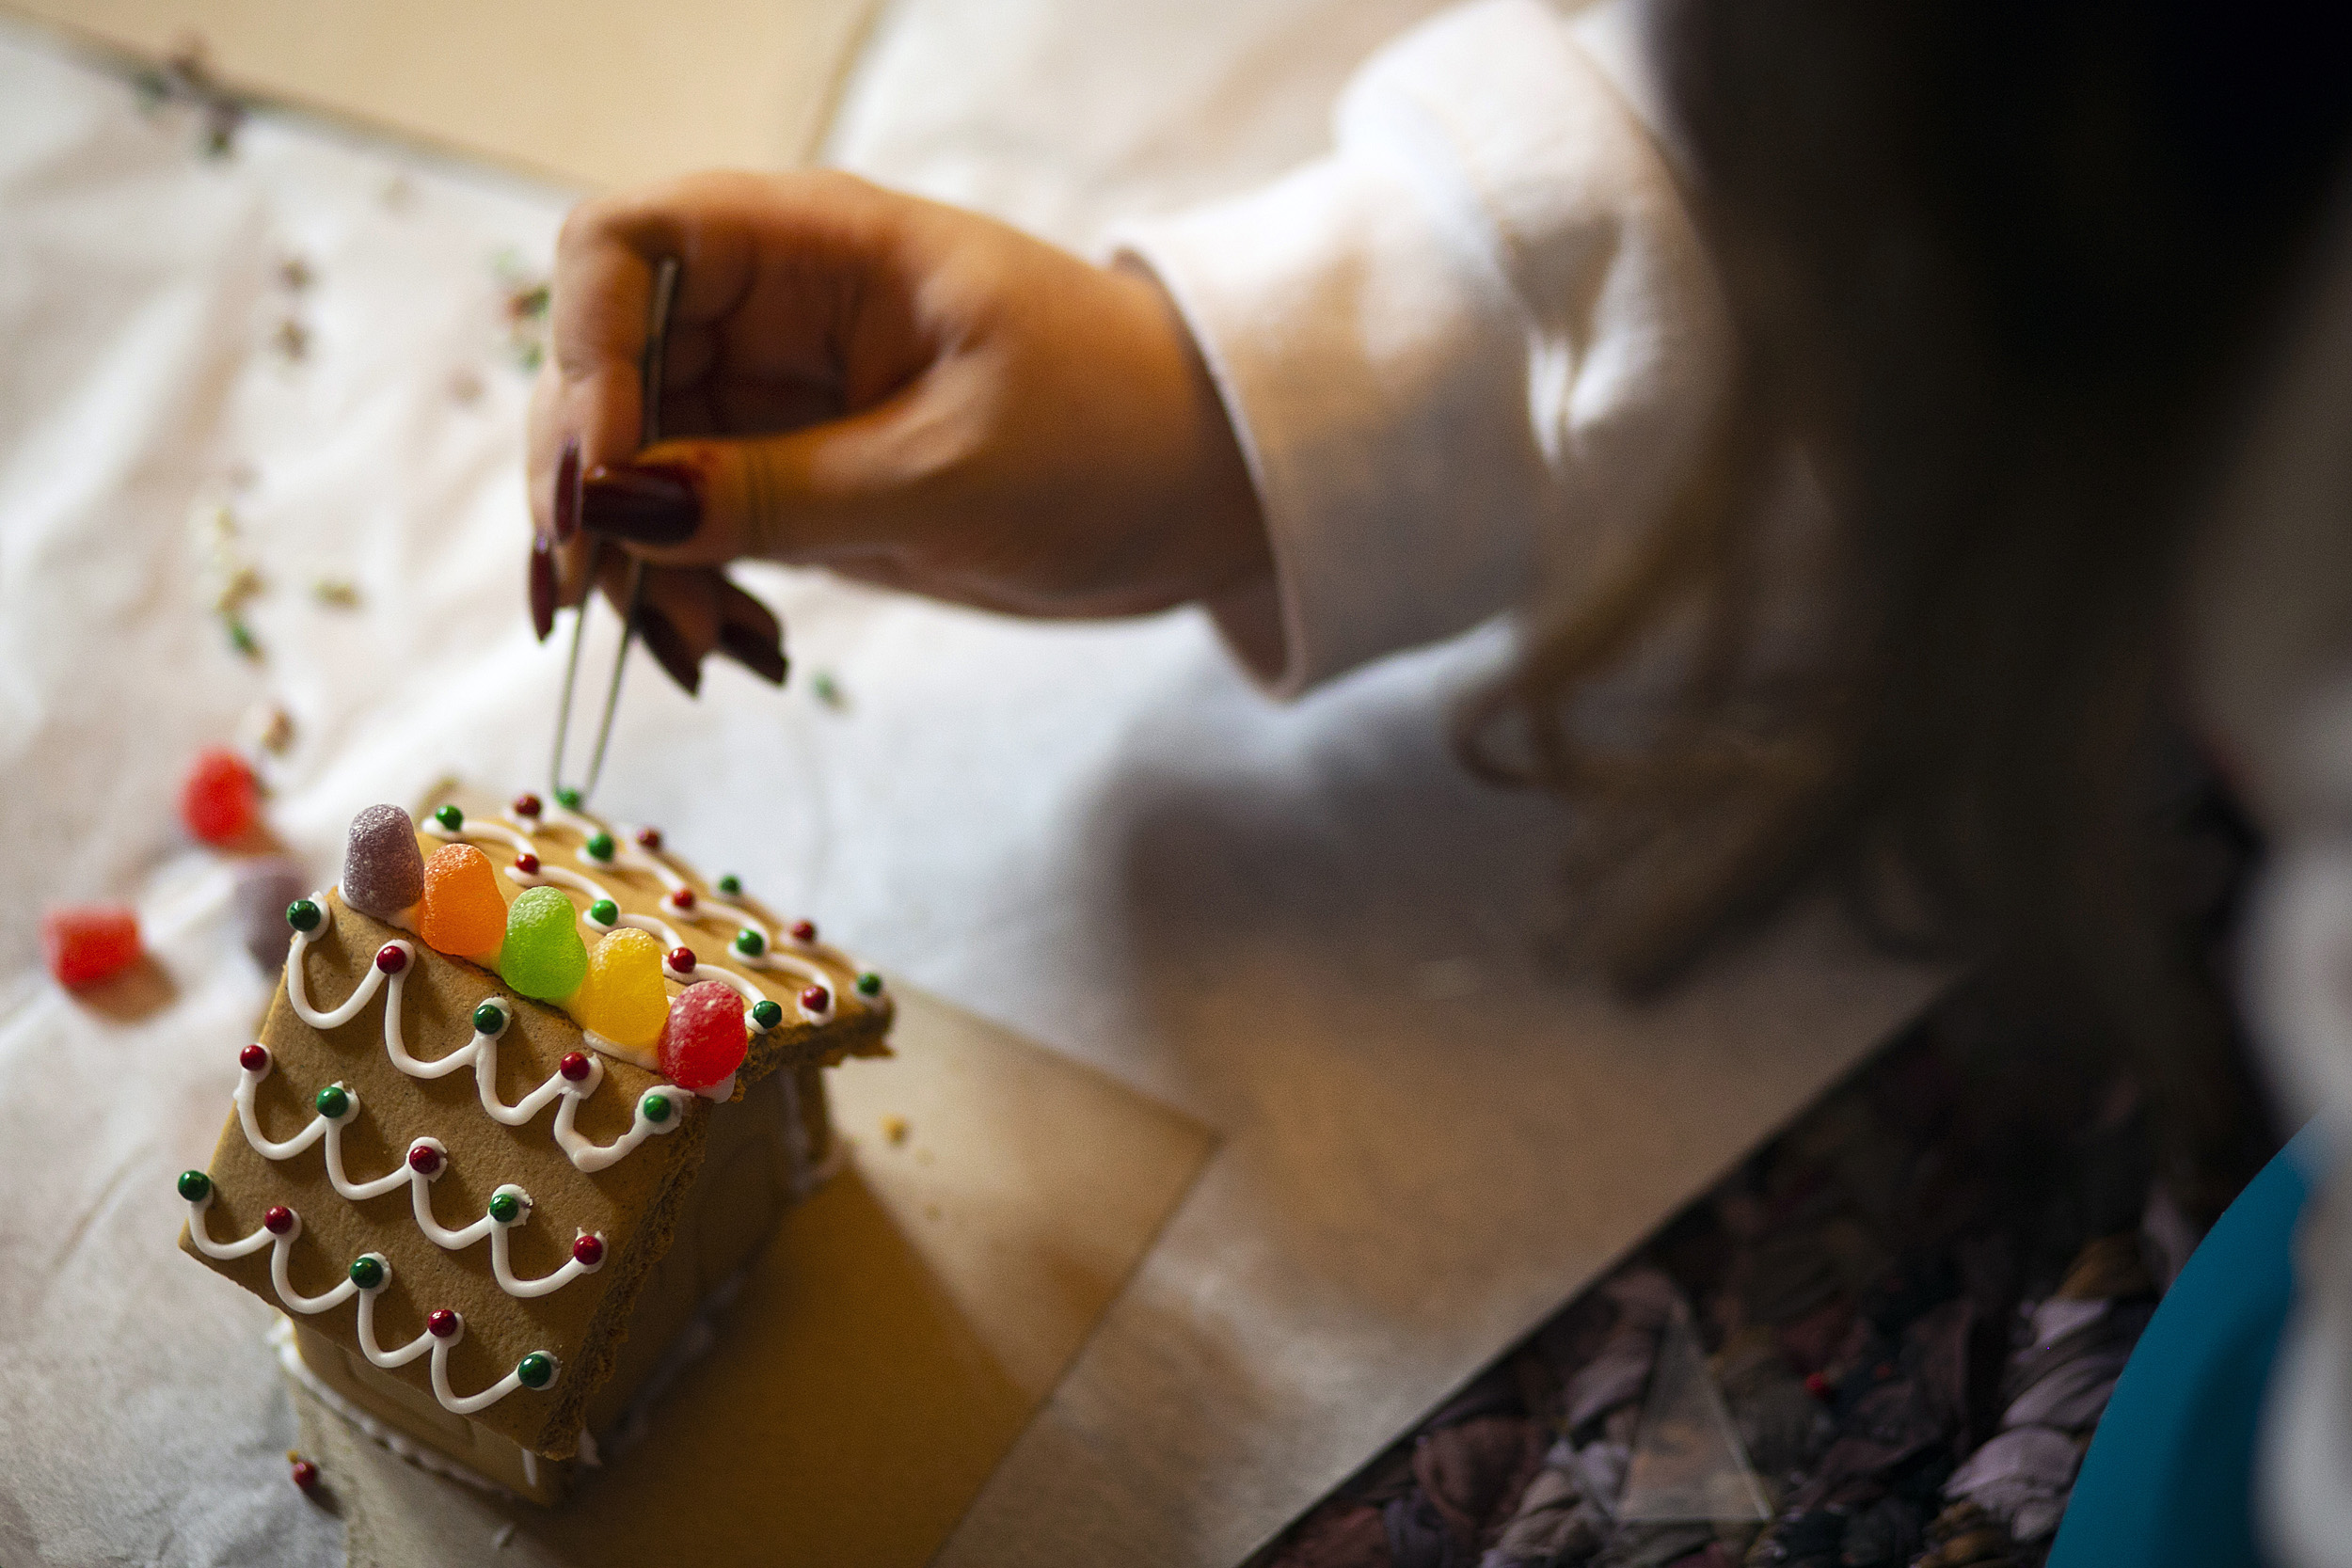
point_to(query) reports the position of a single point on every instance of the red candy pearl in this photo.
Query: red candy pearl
(528, 863)
(704, 1037)
(588, 1252)
(649, 838)
(305, 1475)
(440, 1322)
(254, 1058)
(816, 999)
(277, 1220)
(527, 804)
(391, 959)
(574, 1066)
(682, 899)
(425, 1159)
(681, 960)
(804, 931)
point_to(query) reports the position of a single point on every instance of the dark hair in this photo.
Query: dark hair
(2005, 273)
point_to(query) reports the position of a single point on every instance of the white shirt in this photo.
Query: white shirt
(1473, 350)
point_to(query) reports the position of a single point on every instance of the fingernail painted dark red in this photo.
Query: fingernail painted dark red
(567, 492)
(542, 586)
(755, 653)
(654, 504)
(669, 649)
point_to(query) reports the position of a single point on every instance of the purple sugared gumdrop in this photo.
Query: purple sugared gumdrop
(265, 888)
(383, 868)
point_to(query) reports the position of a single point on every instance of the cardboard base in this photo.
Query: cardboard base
(881, 1355)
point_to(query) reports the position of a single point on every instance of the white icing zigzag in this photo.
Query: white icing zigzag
(481, 1053)
(281, 1241)
(418, 1175)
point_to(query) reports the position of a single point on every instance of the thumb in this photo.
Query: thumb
(843, 487)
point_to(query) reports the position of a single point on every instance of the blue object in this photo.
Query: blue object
(2169, 1480)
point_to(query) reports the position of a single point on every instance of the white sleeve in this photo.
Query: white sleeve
(1469, 354)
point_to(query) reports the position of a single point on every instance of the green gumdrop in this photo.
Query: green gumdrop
(544, 956)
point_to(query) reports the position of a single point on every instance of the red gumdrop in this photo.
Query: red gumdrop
(83, 943)
(705, 1037)
(220, 799)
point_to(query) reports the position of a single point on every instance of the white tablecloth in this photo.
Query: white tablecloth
(1303, 925)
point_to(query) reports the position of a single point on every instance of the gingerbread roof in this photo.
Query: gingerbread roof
(442, 1175)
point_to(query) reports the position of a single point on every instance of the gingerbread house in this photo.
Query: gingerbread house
(531, 1090)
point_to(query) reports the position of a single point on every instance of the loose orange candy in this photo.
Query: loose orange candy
(462, 912)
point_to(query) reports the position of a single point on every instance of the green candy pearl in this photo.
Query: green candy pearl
(604, 911)
(505, 1208)
(450, 817)
(366, 1273)
(750, 943)
(489, 1019)
(731, 884)
(332, 1102)
(535, 1371)
(766, 1014)
(195, 1185)
(568, 798)
(869, 984)
(657, 1108)
(599, 846)
(303, 916)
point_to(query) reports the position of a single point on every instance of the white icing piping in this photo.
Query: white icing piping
(780, 950)
(430, 1459)
(294, 1301)
(480, 1052)
(591, 1156)
(642, 922)
(556, 875)
(418, 1181)
(494, 833)
(635, 1055)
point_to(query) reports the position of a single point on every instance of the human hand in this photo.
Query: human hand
(904, 392)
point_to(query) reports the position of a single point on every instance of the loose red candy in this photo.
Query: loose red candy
(83, 944)
(219, 799)
(305, 1474)
(705, 1037)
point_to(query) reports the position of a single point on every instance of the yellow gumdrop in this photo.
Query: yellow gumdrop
(623, 998)
(461, 911)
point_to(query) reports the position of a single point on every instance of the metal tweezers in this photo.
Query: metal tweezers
(649, 431)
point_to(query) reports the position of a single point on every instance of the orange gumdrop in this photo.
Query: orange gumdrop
(462, 912)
